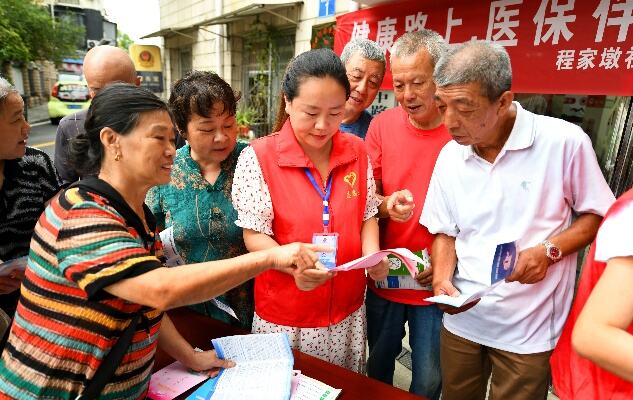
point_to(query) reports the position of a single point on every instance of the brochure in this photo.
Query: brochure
(409, 259)
(504, 261)
(312, 389)
(173, 259)
(17, 264)
(173, 380)
(399, 276)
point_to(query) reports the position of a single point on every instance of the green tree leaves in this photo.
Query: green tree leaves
(27, 33)
(123, 40)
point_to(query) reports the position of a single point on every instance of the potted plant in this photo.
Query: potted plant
(244, 116)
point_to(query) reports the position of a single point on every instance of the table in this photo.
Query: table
(199, 330)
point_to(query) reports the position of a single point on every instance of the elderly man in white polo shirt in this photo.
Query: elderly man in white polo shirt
(508, 176)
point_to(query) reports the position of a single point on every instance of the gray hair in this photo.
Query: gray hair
(480, 61)
(367, 48)
(424, 39)
(6, 89)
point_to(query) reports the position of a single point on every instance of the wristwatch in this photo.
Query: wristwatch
(552, 251)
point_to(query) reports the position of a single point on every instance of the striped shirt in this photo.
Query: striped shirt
(29, 182)
(65, 322)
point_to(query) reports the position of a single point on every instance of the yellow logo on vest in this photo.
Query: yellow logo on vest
(350, 179)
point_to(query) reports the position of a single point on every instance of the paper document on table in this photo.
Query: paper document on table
(263, 367)
(17, 264)
(294, 381)
(504, 261)
(410, 260)
(312, 389)
(169, 248)
(173, 380)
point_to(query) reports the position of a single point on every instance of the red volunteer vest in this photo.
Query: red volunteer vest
(576, 377)
(298, 210)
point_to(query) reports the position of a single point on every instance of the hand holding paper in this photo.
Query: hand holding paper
(504, 262)
(11, 267)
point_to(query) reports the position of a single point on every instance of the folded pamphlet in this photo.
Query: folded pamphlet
(409, 259)
(173, 380)
(504, 261)
(312, 389)
(17, 264)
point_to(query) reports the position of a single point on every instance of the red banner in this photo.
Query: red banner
(556, 46)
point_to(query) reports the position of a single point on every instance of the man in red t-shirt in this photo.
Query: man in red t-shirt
(403, 144)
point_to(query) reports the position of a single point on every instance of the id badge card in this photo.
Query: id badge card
(327, 239)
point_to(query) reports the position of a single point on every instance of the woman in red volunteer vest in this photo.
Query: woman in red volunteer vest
(309, 181)
(593, 359)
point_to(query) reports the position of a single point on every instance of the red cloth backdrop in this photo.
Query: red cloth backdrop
(556, 46)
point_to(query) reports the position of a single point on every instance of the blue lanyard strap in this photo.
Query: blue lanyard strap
(325, 197)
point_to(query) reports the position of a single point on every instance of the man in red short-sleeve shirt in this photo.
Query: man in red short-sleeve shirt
(403, 144)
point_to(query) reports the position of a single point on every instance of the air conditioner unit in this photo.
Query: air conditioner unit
(90, 43)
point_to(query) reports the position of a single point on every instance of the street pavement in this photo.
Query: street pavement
(42, 134)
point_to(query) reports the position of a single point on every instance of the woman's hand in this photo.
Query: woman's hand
(208, 361)
(11, 283)
(295, 256)
(312, 278)
(379, 271)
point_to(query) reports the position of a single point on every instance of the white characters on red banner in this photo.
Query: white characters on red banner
(557, 23)
(610, 57)
(585, 58)
(361, 30)
(415, 22)
(629, 58)
(501, 22)
(386, 33)
(565, 59)
(450, 24)
(623, 20)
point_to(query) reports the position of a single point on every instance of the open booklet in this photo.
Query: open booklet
(263, 368)
(410, 260)
(17, 264)
(504, 261)
(302, 388)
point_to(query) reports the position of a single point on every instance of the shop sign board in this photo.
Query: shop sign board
(556, 46)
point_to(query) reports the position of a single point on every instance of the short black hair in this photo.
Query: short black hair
(196, 93)
(118, 106)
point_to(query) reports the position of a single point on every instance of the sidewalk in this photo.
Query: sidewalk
(38, 113)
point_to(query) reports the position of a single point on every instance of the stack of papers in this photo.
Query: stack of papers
(263, 371)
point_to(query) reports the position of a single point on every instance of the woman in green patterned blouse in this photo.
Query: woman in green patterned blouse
(197, 201)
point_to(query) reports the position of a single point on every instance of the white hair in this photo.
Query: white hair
(6, 89)
(478, 61)
(366, 48)
(424, 39)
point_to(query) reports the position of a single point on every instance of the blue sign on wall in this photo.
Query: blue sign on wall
(326, 8)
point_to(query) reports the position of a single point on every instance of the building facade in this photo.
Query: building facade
(248, 43)
(571, 62)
